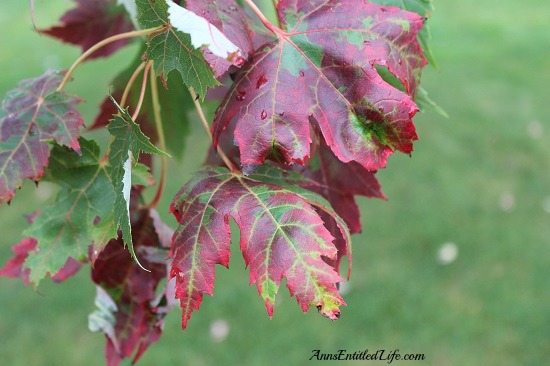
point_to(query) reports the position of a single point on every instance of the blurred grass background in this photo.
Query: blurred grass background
(480, 180)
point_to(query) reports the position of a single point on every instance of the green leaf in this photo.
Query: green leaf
(172, 49)
(68, 227)
(126, 146)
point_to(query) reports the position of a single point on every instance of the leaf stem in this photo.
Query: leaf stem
(262, 17)
(98, 45)
(142, 93)
(130, 84)
(275, 3)
(162, 142)
(206, 126)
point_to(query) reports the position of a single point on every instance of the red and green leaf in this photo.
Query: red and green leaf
(82, 214)
(91, 22)
(31, 115)
(282, 235)
(137, 317)
(321, 68)
(14, 267)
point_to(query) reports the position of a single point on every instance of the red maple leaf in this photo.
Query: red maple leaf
(91, 22)
(281, 235)
(31, 115)
(322, 68)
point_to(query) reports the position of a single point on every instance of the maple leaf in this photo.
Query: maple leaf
(32, 114)
(175, 101)
(125, 148)
(281, 235)
(82, 212)
(91, 22)
(231, 20)
(172, 49)
(130, 314)
(322, 68)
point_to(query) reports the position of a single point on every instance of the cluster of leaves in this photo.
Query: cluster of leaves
(310, 109)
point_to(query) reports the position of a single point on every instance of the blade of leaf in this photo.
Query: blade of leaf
(322, 69)
(281, 235)
(32, 114)
(81, 215)
(172, 49)
(127, 144)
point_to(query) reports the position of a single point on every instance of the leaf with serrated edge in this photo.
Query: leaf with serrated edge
(126, 145)
(172, 49)
(68, 227)
(31, 115)
(281, 235)
(321, 70)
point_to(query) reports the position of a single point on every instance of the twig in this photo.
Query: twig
(130, 84)
(162, 142)
(206, 126)
(142, 93)
(97, 46)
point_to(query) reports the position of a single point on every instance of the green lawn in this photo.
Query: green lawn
(479, 179)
